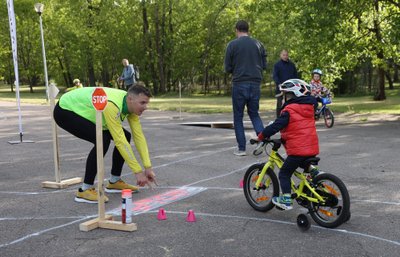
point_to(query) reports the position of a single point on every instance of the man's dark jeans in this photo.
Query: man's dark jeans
(246, 94)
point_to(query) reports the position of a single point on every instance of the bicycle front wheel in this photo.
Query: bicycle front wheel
(329, 118)
(336, 208)
(260, 198)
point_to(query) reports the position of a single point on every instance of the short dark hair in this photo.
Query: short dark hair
(242, 26)
(139, 88)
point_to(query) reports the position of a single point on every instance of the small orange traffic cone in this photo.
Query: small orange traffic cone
(161, 214)
(191, 217)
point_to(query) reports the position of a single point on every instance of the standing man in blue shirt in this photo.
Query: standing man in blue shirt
(245, 58)
(128, 74)
(284, 69)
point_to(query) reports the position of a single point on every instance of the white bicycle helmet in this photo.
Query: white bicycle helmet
(317, 71)
(297, 86)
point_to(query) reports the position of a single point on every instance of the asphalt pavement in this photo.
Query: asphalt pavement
(196, 170)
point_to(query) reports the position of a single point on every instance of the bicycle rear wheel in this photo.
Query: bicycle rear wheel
(336, 209)
(260, 199)
(329, 118)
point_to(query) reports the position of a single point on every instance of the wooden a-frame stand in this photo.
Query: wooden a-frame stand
(103, 221)
(58, 183)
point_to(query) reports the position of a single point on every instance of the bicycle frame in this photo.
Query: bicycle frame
(323, 107)
(321, 110)
(276, 160)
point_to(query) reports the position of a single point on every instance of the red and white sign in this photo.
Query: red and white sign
(99, 99)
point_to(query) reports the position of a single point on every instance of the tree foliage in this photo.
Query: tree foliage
(354, 42)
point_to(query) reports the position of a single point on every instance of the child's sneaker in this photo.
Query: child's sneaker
(88, 196)
(284, 201)
(120, 185)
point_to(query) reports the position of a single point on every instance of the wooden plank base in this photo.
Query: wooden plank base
(107, 223)
(62, 184)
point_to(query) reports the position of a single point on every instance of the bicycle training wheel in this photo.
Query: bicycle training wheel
(260, 199)
(329, 118)
(336, 209)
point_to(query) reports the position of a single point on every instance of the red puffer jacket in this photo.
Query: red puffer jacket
(300, 136)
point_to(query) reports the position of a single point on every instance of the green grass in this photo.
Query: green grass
(37, 97)
(223, 104)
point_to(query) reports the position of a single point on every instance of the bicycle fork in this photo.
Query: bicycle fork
(260, 176)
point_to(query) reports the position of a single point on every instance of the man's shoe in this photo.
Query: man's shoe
(238, 152)
(88, 196)
(284, 201)
(120, 185)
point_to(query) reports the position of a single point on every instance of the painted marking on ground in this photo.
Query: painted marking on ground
(71, 188)
(153, 202)
(139, 207)
(288, 223)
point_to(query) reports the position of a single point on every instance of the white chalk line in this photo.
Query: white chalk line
(189, 185)
(115, 211)
(42, 232)
(286, 223)
(123, 175)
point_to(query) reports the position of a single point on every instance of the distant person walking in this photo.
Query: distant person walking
(77, 84)
(284, 69)
(128, 75)
(245, 59)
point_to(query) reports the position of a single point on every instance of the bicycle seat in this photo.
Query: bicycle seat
(312, 160)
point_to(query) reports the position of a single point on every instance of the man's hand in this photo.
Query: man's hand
(149, 173)
(141, 179)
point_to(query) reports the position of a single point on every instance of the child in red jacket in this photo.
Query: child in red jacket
(298, 133)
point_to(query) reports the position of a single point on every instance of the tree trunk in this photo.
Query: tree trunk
(64, 73)
(147, 45)
(388, 77)
(90, 67)
(105, 76)
(380, 55)
(159, 48)
(89, 55)
(381, 85)
(396, 72)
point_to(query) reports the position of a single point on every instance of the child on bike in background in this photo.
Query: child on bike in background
(298, 133)
(317, 89)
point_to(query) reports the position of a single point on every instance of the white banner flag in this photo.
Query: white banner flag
(13, 35)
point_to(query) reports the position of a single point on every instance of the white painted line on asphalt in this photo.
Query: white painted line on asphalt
(42, 218)
(376, 201)
(139, 207)
(219, 176)
(42, 231)
(286, 223)
(155, 167)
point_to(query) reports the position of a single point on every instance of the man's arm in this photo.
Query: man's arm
(114, 125)
(296, 75)
(263, 57)
(275, 75)
(139, 139)
(228, 65)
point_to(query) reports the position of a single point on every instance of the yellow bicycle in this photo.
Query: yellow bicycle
(324, 195)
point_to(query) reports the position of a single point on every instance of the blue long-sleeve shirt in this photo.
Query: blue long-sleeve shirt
(128, 75)
(245, 58)
(284, 70)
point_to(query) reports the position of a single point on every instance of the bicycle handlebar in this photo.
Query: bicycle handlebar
(265, 140)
